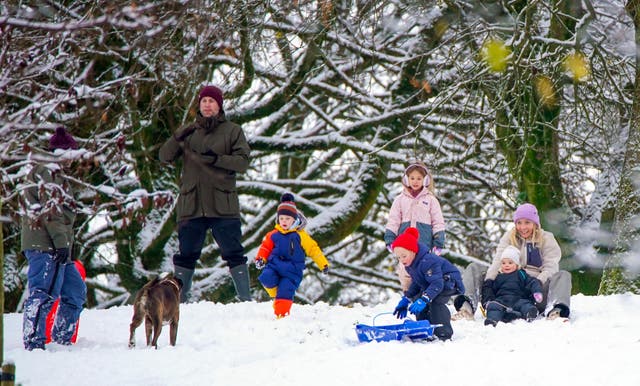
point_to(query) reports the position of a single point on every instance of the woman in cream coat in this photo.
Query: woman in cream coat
(540, 258)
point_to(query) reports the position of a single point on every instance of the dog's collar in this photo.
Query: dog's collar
(172, 282)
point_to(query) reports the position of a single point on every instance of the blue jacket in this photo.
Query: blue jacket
(432, 274)
(286, 250)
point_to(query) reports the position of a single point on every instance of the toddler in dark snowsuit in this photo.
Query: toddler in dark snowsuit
(510, 295)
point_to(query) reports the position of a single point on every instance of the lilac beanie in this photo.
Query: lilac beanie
(527, 212)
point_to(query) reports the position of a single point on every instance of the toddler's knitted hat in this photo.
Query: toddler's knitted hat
(287, 206)
(512, 253)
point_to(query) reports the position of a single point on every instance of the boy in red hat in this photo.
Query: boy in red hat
(433, 281)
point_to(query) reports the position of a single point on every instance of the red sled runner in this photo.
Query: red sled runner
(51, 317)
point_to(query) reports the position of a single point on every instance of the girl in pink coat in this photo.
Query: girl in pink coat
(416, 206)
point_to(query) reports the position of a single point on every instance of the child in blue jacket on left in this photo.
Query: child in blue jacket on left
(433, 281)
(282, 255)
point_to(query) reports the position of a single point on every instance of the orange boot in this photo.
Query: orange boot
(281, 307)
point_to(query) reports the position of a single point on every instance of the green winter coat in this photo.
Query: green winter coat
(212, 155)
(49, 202)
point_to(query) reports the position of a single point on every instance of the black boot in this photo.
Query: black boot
(240, 276)
(186, 276)
(489, 322)
(532, 314)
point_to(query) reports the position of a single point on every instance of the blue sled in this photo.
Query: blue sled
(407, 330)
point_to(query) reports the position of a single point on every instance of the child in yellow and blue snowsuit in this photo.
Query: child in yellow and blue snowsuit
(282, 255)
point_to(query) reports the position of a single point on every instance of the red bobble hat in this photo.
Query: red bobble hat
(408, 240)
(213, 92)
(287, 206)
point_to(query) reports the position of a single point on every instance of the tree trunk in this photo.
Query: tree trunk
(527, 124)
(617, 276)
(1, 291)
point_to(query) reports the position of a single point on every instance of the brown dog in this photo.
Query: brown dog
(157, 302)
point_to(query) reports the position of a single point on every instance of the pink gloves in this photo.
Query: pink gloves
(538, 297)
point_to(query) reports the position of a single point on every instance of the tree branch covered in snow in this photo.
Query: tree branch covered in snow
(336, 97)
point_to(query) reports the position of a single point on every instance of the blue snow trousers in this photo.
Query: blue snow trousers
(48, 281)
(284, 274)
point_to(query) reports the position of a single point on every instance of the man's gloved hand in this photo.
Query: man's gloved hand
(419, 305)
(260, 263)
(61, 255)
(213, 156)
(325, 270)
(184, 132)
(401, 309)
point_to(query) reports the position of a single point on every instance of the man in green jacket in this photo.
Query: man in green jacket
(213, 150)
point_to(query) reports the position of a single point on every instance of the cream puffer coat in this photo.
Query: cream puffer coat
(549, 252)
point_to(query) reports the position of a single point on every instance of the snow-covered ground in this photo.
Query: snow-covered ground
(243, 344)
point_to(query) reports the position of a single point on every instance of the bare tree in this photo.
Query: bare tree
(622, 273)
(335, 96)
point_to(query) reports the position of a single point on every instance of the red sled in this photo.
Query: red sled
(51, 317)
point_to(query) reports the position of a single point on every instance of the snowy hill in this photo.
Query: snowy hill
(243, 344)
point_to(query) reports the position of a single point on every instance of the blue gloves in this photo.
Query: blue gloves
(401, 309)
(419, 305)
(416, 307)
(325, 270)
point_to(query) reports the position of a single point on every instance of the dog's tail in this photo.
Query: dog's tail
(144, 296)
(144, 292)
